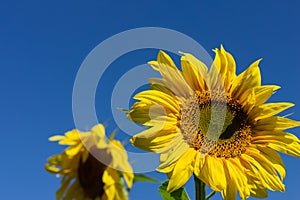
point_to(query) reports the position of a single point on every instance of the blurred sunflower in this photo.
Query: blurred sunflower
(215, 124)
(84, 177)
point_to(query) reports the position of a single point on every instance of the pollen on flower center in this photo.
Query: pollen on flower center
(90, 175)
(214, 124)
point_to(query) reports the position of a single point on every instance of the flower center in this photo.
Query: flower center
(215, 124)
(90, 175)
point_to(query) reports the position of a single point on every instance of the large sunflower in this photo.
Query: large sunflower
(84, 177)
(215, 124)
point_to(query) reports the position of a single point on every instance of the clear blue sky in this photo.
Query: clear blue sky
(43, 43)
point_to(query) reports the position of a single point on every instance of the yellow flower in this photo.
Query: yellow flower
(84, 176)
(215, 124)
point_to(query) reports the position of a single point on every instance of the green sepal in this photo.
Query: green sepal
(179, 194)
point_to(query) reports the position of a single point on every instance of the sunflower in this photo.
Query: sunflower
(84, 177)
(216, 125)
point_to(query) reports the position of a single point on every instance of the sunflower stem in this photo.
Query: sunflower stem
(210, 195)
(199, 188)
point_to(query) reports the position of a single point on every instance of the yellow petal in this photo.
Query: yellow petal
(220, 62)
(275, 123)
(199, 162)
(157, 97)
(154, 139)
(248, 79)
(176, 149)
(128, 178)
(225, 65)
(56, 138)
(200, 66)
(284, 142)
(263, 93)
(176, 82)
(215, 81)
(150, 114)
(98, 132)
(52, 169)
(73, 134)
(164, 58)
(73, 150)
(158, 84)
(231, 66)
(85, 155)
(183, 170)
(256, 186)
(110, 178)
(247, 100)
(238, 176)
(270, 178)
(194, 71)
(139, 113)
(71, 138)
(166, 169)
(268, 109)
(214, 174)
(231, 190)
(120, 162)
(55, 159)
(273, 159)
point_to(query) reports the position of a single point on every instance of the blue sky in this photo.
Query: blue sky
(43, 43)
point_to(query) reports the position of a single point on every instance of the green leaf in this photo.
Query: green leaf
(144, 178)
(179, 194)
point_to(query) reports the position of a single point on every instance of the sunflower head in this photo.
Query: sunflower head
(84, 176)
(215, 124)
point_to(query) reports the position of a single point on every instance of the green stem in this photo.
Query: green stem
(200, 189)
(210, 195)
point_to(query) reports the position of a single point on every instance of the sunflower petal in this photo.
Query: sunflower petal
(110, 178)
(250, 78)
(263, 93)
(238, 177)
(215, 81)
(163, 58)
(153, 139)
(275, 123)
(168, 158)
(56, 138)
(231, 190)
(267, 173)
(214, 174)
(281, 141)
(184, 164)
(273, 159)
(268, 109)
(194, 71)
(225, 64)
(158, 84)
(200, 66)
(151, 114)
(231, 66)
(160, 98)
(220, 62)
(73, 150)
(255, 183)
(173, 78)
